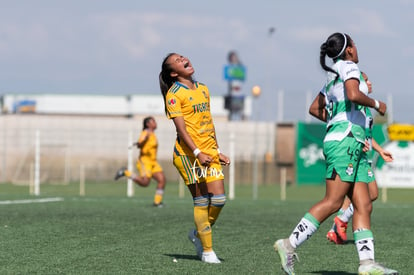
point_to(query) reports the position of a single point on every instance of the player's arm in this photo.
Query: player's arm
(140, 144)
(142, 139)
(355, 95)
(135, 144)
(185, 136)
(387, 156)
(317, 108)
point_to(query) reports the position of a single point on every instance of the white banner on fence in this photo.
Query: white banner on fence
(400, 172)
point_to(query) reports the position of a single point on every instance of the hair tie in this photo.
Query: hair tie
(343, 48)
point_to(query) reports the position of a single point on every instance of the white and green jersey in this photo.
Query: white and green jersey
(344, 116)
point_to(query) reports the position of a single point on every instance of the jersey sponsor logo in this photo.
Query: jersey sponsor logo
(201, 107)
(206, 122)
(351, 70)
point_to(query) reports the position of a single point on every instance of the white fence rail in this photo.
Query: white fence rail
(101, 143)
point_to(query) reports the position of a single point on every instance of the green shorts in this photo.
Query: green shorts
(365, 172)
(343, 157)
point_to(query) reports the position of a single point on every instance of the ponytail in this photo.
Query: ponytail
(322, 60)
(334, 48)
(165, 79)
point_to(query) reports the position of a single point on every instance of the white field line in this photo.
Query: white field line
(31, 201)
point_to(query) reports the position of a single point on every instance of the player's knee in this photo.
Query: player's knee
(373, 196)
(200, 201)
(218, 200)
(145, 181)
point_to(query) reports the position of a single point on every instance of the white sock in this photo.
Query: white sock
(364, 241)
(347, 214)
(304, 230)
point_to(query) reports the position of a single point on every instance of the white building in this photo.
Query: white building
(106, 105)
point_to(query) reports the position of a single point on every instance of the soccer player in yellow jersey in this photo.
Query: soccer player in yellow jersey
(196, 153)
(147, 164)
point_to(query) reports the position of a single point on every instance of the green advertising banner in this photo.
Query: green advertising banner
(379, 133)
(310, 162)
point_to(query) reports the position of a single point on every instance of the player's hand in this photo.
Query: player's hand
(224, 160)
(204, 159)
(382, 108)
(386, 156)
(366, 146)
(135, 144)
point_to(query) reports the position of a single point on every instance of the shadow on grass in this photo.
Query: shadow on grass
(324, 272)
(186, 257)
(349, 242)
(182, 256)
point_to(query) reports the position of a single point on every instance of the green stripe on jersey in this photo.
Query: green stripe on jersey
(174, 88)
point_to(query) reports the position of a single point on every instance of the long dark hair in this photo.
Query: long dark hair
(165, 78)
(334, 48)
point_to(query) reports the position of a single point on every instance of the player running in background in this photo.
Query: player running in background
(343, 109)
(196, 154)
(147, 164)
(337, 234)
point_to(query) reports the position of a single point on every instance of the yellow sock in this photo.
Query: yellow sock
(216, 204)
(158, 196)
(203, 227)
(127, 173)
(213, 213)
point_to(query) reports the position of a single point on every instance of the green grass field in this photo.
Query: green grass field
(105, 232)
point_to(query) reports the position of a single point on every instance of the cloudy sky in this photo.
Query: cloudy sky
(116, 47)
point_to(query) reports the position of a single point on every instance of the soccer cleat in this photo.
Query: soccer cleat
(158, 205)
(120, 173)
(341, 228)
(287, 258)
(333, 237)
(192, 236)
(375, 269)
(210, 257)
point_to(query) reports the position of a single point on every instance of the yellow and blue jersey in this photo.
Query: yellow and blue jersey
(150, 147)
(147, 163)
(194, 107)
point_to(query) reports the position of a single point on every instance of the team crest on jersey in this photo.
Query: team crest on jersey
(190, 98)
(171, 102)
(350, 169)
(205, 95)
(370, 173)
